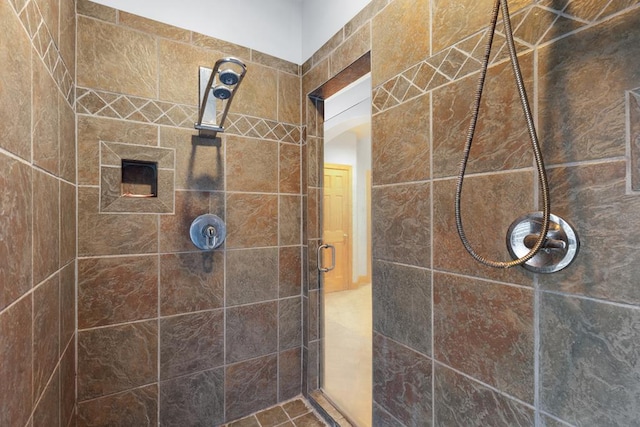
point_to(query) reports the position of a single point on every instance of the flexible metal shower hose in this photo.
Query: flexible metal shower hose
(544, 185)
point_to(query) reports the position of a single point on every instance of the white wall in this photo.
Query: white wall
(321, 19)
(288, 29)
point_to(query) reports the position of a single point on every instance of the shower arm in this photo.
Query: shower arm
(211, 130)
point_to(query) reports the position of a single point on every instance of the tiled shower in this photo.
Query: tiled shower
(159, 332)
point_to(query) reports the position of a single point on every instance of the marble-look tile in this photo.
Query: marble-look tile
(400, 38)
(252, 165)
(192, 400)
(313, 214)
(489, 204)
(250, 386)
(400, 220)
(460, 401)
(592, 198)
(252, 331)
(67, 304)
(289, 98)
(501, 140)
(313, 316)
(311, 365)
(290, 273)
(46, 144)
(289, 374)
(272, 416)
(15, 228)
(402, 304)
(199, 163)
(46, 332)
(402, 381)
(137, 407)
(47, 410)
(95, 10)
(295, 408)
(633, 109)
(116, 358)
(591, 10)
(67, 42)
(312, 80)
(15, 370)
(174, 229)
(290, 168)
(15, 104)
(329, 46)
(46, 225)
(401, 149)
(289, 323)
(191, 282)
(382, 418)
(547, 421)
(252, 220)
(364, 16)
(258, 94)
(588, 361)
(575, 126)
(290, 217)
(251, 276)
(67, 223)
(191, 343)
(116, 59)
(241, 52)
(68, 384)
(179, 64)
(150, 26)
(117, 290)
(93, 130)
(351, 49)
(455, 20)
(112, 234)
(486, 331)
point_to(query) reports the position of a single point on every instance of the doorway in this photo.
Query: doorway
(346, 225)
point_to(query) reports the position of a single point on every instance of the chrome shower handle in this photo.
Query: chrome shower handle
(333, 257)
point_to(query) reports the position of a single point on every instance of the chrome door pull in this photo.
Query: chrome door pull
(333, 257)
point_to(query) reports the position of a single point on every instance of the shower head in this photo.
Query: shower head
(228, 77)
(230, 72)
(221, 92)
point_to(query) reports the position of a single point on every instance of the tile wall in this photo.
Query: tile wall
(168, 333)
(456, 343)
(37, 213)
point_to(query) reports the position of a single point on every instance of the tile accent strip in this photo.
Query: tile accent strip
(45, 45)
(533, 26)
(119, 106)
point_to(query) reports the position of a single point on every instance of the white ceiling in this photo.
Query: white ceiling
(289, 29)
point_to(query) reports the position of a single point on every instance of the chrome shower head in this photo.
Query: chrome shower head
(229, 72)
(222, 92)
(228, 77)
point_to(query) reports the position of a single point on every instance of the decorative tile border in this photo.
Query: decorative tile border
(126, 107)
(44, 44)
(533, 26)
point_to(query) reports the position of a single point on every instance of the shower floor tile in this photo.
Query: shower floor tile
(294, 413)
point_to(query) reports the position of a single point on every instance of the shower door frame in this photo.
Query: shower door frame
(313, 316)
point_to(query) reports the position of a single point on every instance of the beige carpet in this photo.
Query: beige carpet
(347, 359)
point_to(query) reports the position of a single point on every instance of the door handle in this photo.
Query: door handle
(333, 257)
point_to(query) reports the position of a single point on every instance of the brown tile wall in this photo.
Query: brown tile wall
(457, 343)
(38, 206)
(168, 333)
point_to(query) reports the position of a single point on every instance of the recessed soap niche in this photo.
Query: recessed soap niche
(139, 178)
(136, 178)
